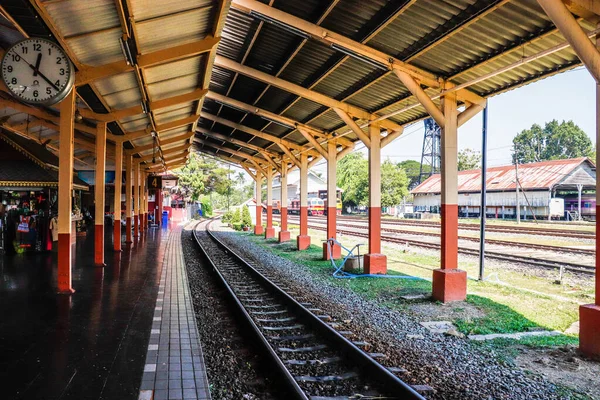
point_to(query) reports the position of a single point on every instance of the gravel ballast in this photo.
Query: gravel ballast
(234, 369)
(454, 368)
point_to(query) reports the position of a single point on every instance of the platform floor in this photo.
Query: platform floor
(92, 344)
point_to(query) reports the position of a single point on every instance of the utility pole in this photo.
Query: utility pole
(483, 205)
(518, 207)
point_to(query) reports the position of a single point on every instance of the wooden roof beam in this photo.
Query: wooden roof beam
(184, 137)
(298, 90)
(236, 142)
(348, 45)
(116, 115)
(255, 132)
(279, 119)
(230, 151)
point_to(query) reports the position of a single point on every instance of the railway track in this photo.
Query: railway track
(313, 359)
(547, 264)
(561, 249)
(576, 234)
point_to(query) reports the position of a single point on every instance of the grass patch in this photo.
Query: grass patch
(499, 318)
(383, 289)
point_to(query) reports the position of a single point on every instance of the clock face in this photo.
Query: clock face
(37, 71)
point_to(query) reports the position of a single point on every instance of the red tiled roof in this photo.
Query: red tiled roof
(540, 175)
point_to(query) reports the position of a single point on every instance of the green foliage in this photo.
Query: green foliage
(237, 217)
(412, 169)
(353, 179)
(227, 217)
(246, 218)
(237, 226)
(202, 175)
(206, 205)
(469, 159)
(553, 142)
(394, 184)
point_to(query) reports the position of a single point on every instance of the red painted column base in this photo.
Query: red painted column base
(128, 230)
(269, 232)
(336, 251)
(99, 246)
(284, 236)
(302, 242)
(117, 235)
(64, 264)
(375, 264)
(259, 230)
(589, 330)
(449, 285)
(136, 225)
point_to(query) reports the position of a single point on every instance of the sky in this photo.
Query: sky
(566, 96)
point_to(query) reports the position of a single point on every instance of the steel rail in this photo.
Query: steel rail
(579, 234)
(548, 264)
(365, 363)
(560, 249)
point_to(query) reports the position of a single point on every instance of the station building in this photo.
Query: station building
(539, 183)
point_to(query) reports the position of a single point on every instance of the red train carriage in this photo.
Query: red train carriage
(338, 203)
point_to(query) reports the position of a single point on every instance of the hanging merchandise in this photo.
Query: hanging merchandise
(23, 226)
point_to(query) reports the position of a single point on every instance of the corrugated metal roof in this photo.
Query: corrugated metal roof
(540, 175)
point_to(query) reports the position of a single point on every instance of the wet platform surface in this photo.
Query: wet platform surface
(174, 366)
(90, 345)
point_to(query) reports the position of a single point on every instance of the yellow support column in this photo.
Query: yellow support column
(117, 199)
(128, 196)
(589, 314)
(99, 194)
(65, 190)
(336, 250)
(284, 234)
(303, 240)
(449, 283)
(136, 200)
(258, 228)
(375, 262)
(270, 231)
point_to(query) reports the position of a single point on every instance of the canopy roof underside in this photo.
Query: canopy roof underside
(489, 46)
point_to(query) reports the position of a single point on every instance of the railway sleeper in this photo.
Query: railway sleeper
(288, 319)
(328, 360)
(302, 349)
(296, 338)
(329, 378)
(283, 328)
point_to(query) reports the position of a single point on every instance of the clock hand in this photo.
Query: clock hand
(48, 80)
(37, 64)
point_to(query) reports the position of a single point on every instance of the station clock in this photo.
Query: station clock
(37, 71)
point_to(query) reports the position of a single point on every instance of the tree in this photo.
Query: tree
(469, 159)
(394, 184)
(202, 175)
(553, 142)
(412, 169)
(246, 217)
(353, 179)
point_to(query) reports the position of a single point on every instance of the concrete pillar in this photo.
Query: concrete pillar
(589, 314)
(336, 250)
(303, 240)
(258, 228)
(128, 196)
(449, 283)
(117, 199)
(65, 190)
(375, 262)
(158, 210)
(144, 215)
(270, 231)
(284, 234)
(99, 194)
(136, 200)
